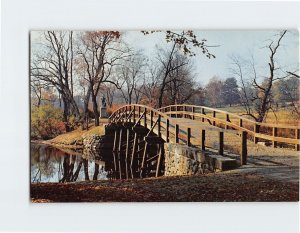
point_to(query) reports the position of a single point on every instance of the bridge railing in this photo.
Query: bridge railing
(163, 125)
(275, 133)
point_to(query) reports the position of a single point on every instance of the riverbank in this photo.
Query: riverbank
(73, 139)
(231, 186)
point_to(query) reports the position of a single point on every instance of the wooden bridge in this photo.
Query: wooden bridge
(139, 133)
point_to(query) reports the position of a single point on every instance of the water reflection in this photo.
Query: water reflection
(49, 164)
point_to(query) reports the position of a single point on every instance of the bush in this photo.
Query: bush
(46, 122)
(113, 108)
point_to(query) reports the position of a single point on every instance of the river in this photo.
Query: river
(50, 164)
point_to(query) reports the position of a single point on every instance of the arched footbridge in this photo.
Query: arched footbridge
(139, 133)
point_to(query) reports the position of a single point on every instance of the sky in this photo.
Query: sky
(243, 43)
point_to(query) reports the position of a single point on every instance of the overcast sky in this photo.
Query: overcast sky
(244, 43)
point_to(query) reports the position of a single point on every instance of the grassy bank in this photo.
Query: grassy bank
(74, 138)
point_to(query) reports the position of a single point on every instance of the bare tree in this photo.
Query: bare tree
(130, 77)
(181, 86)
(54, 66)
(263, 95)
(238, 71)
(181, 41)
(100, 51)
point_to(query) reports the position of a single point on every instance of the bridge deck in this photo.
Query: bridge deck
(231, 139)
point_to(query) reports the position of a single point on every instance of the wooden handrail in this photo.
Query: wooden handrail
(182, 110)
(229, 113)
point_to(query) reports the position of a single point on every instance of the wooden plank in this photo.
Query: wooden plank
(256, 133)
(159, 126)
(119, 154)
(132, 168)
(274, 133)
(214, 116)
(243, 155)
(279, 139)
(203, 139)
(188, 136)
(142, 172)
(161, 150)
(176, 133)
(297, 134)
(127, 152)
(221, 143)
(193, 111)
(168, 131)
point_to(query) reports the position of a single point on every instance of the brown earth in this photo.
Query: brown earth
(213, 187)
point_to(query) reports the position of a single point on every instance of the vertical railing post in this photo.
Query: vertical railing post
(176, 110)
(139, 113)
(203, 139)
(274, 133)
(227, 120)
(193, 111)
(130, 116)
(243, 155)
(256, 130)
(151, 118)
(214, 116)
(202, 112)
(145, 117)
(241, 122)
(221, 142)
(134, 114)
(188, 136)
(297, 135)
(176, 133)
(168, 131)
(159, 126)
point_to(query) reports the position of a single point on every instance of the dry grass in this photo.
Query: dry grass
(283, 116)
(75, 137)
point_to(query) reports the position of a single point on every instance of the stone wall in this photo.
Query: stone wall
(184, 160)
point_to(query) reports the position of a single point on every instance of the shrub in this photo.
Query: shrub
(46, 122)
(113, 108)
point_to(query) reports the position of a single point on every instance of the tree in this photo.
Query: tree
(99, 50)
(263, 95)
(230, 92)
(286, 92)
(54, 67)
(247, 91)
(130, 75)
(181, 41)
(181, 86)
(214, 92)
(258, 90)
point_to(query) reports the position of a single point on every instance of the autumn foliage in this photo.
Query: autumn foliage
(46, 122)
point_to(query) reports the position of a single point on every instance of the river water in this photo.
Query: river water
(49, 164)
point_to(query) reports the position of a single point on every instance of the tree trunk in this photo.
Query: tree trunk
(95, 109)
(86, 108)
